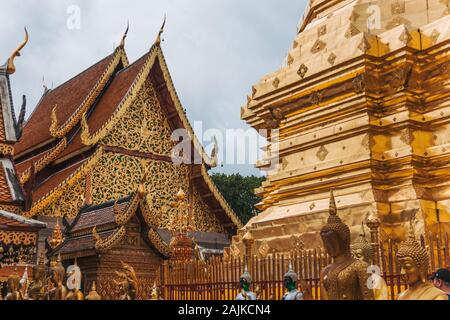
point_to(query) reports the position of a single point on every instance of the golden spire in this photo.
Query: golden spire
(158, 38)
(57, 236)
(93, 294)
(10, 69)
(122, 42)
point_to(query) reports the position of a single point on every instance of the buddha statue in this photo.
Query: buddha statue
(290, 283)
(57, 273)
(93, 294)
(36, 290)
(126, 283)
(245, 282)
(13, 287)
(362, 250)
(346, 277)
(414, 262)
(74, 283)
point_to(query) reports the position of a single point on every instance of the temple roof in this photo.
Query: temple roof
(14, 220)
(67, 98)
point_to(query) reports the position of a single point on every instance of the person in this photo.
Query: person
(441, 280)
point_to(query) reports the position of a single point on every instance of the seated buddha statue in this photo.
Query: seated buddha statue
(362, 250)
(57, 273)
(414, 262)
(245, 281)
(346, 277)
(13, 287)
(36, 291)
(290, 283)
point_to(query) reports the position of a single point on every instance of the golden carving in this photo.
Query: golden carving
(6, 149)
(112, 240)
(318, 46)
(10, 69)
(17, 238)
(119, 56)
(302, 71)
(332, 58)
(144, 127)
(322, 153)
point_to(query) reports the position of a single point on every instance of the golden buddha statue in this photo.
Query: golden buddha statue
(13, 287)
(414, 262)
(362, 250)
(36, 291)
(346, 278)
(93, 294)
(126, 283)
(57, 273)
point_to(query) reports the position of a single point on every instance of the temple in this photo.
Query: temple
(18, 235)
(96, 159)
(359, 107)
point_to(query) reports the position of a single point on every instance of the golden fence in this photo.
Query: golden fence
(218, 278)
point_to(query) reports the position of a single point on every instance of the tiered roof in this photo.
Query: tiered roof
(59, 153)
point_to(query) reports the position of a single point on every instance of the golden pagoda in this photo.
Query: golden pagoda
(360, 107)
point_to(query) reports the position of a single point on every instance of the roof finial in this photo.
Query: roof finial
(122, 42)
(158, 38)
(10, 69)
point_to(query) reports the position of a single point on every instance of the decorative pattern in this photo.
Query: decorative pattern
(276, 82)
(398, 7)
(322, 153)
(59, 132)
(351, 31)
(364, 46)
(6, 149)
(318, 46)
(405, 37)
(143, 127)
(302, 70)
(18, 238)
(203, 220)
(435, 36)
(159, 244)
(44, 161)
(322, 31)
(332, 58)
(114, 239)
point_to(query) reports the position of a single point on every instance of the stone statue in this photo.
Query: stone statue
(245, 282)
(362, 250)
(57, 273)
(36, 291)
(74, 283)
(414, 261)
(93, 294)
(13, 287)
(290, 283)
(127, 282)
(346, 278)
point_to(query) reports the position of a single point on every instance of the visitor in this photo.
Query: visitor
(441, 280)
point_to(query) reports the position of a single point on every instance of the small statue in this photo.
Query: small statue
(127, 283)
(156, 293)
(57, 273)
(362, 250)
(93, 294)
(414, 261)
(36, 290)
(13, 287)
(74, 283)
(346, 278)
(290, 283)
(245, 282)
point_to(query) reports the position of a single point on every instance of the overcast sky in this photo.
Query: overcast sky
(216, 49)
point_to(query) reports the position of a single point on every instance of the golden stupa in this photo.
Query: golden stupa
(360, 106)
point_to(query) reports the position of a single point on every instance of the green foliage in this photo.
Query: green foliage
(239, 193)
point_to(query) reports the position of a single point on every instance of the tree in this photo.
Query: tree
(239, 193)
